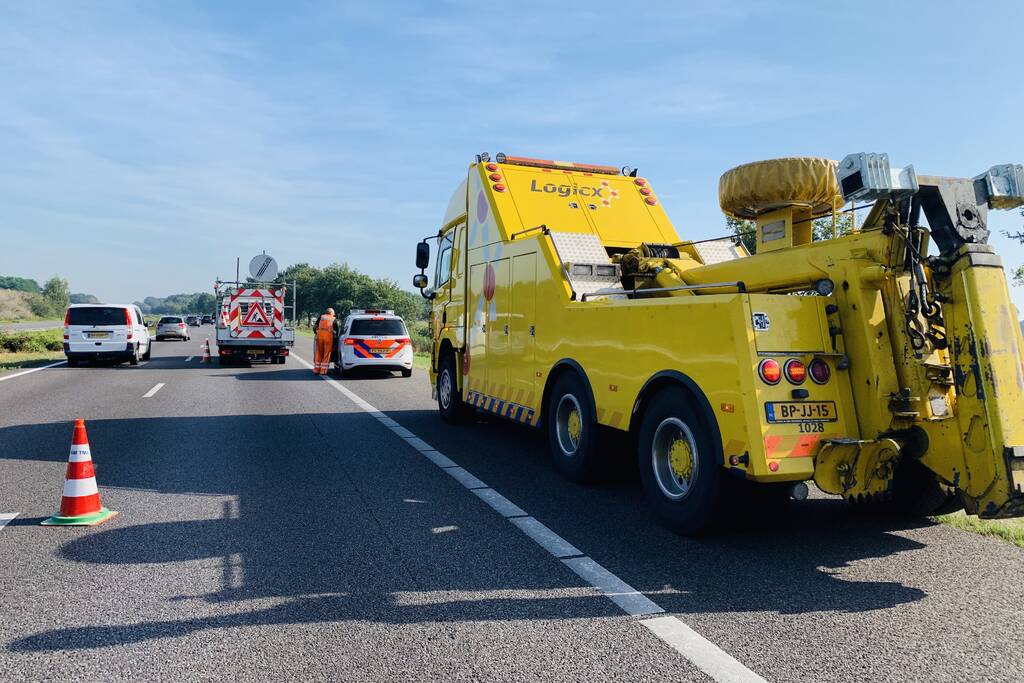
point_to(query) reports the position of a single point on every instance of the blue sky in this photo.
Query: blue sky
(146, 145)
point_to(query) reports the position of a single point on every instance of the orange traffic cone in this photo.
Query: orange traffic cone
(80, 505)
(206, 352)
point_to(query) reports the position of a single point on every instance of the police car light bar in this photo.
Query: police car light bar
(371, 311)
(560, 165)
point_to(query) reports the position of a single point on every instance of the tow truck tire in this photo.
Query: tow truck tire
(449, 400)
(572, 429)
(683, 482)
(406, 373)
(916, 492)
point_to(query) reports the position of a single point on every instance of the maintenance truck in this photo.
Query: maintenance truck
(251, 324)
(884, 364)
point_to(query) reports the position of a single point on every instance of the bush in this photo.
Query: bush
(419, 332)
(31, 342)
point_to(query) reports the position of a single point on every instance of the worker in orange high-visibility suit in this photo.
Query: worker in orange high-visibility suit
(326, 331)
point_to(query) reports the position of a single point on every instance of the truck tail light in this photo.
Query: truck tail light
(769, 371)
(819, 371)
(796, 371)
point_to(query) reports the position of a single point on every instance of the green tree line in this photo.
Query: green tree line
(20, 284)
(201, 303)
(48, 301)
(341, 287)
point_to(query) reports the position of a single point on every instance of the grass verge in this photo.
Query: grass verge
(1008, 530)
(30, 359)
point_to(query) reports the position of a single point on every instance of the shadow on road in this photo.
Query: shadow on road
(325, 519)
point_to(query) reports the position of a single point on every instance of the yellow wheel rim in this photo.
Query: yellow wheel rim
(575, 425)
(681, 458)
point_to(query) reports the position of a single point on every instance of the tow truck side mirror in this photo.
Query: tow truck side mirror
(419, 281)
(422, 255)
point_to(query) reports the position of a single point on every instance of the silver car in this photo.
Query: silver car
(172, 327)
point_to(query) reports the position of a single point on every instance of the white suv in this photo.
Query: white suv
(105, 332)
(374, 338)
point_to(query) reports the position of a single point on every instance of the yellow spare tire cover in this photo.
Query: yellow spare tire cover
(753, 189)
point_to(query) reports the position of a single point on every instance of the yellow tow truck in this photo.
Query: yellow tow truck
(564, 299)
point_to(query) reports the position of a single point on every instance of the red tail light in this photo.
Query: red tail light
(181, 325)
(349, 341)
(67, 317)
(403, 340)
(128, 322)
(819, 371)
(796, 371)
(769, 371)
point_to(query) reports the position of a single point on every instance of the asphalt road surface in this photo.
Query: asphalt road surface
(274, 525)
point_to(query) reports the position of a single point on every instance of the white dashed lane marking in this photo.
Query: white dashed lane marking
(29, 372)
(700, 651)
(151, 392)
(189, 358)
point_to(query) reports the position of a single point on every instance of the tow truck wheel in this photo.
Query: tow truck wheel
(681, 479)
(571, 429)
(449, 400)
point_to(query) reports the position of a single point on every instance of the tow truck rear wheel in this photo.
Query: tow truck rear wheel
(572, 437)
(687, 488)
(449, 401)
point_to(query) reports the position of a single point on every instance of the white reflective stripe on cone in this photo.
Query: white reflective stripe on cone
(76, 488)
(80, 453)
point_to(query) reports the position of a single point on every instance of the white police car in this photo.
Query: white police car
(374, 338)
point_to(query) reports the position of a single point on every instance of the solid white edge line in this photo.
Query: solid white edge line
(502, 505)
(6, 517)
(545, 537)
(149, 394)
(30, 371)
(189, 358)
(700, 651)
(705, 655)
(631, 600)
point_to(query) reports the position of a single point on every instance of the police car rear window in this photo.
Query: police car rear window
(377, 328)
(103, 315)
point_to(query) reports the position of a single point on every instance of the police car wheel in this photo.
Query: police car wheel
(571, 429)
(406, 373)
(682, 481)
